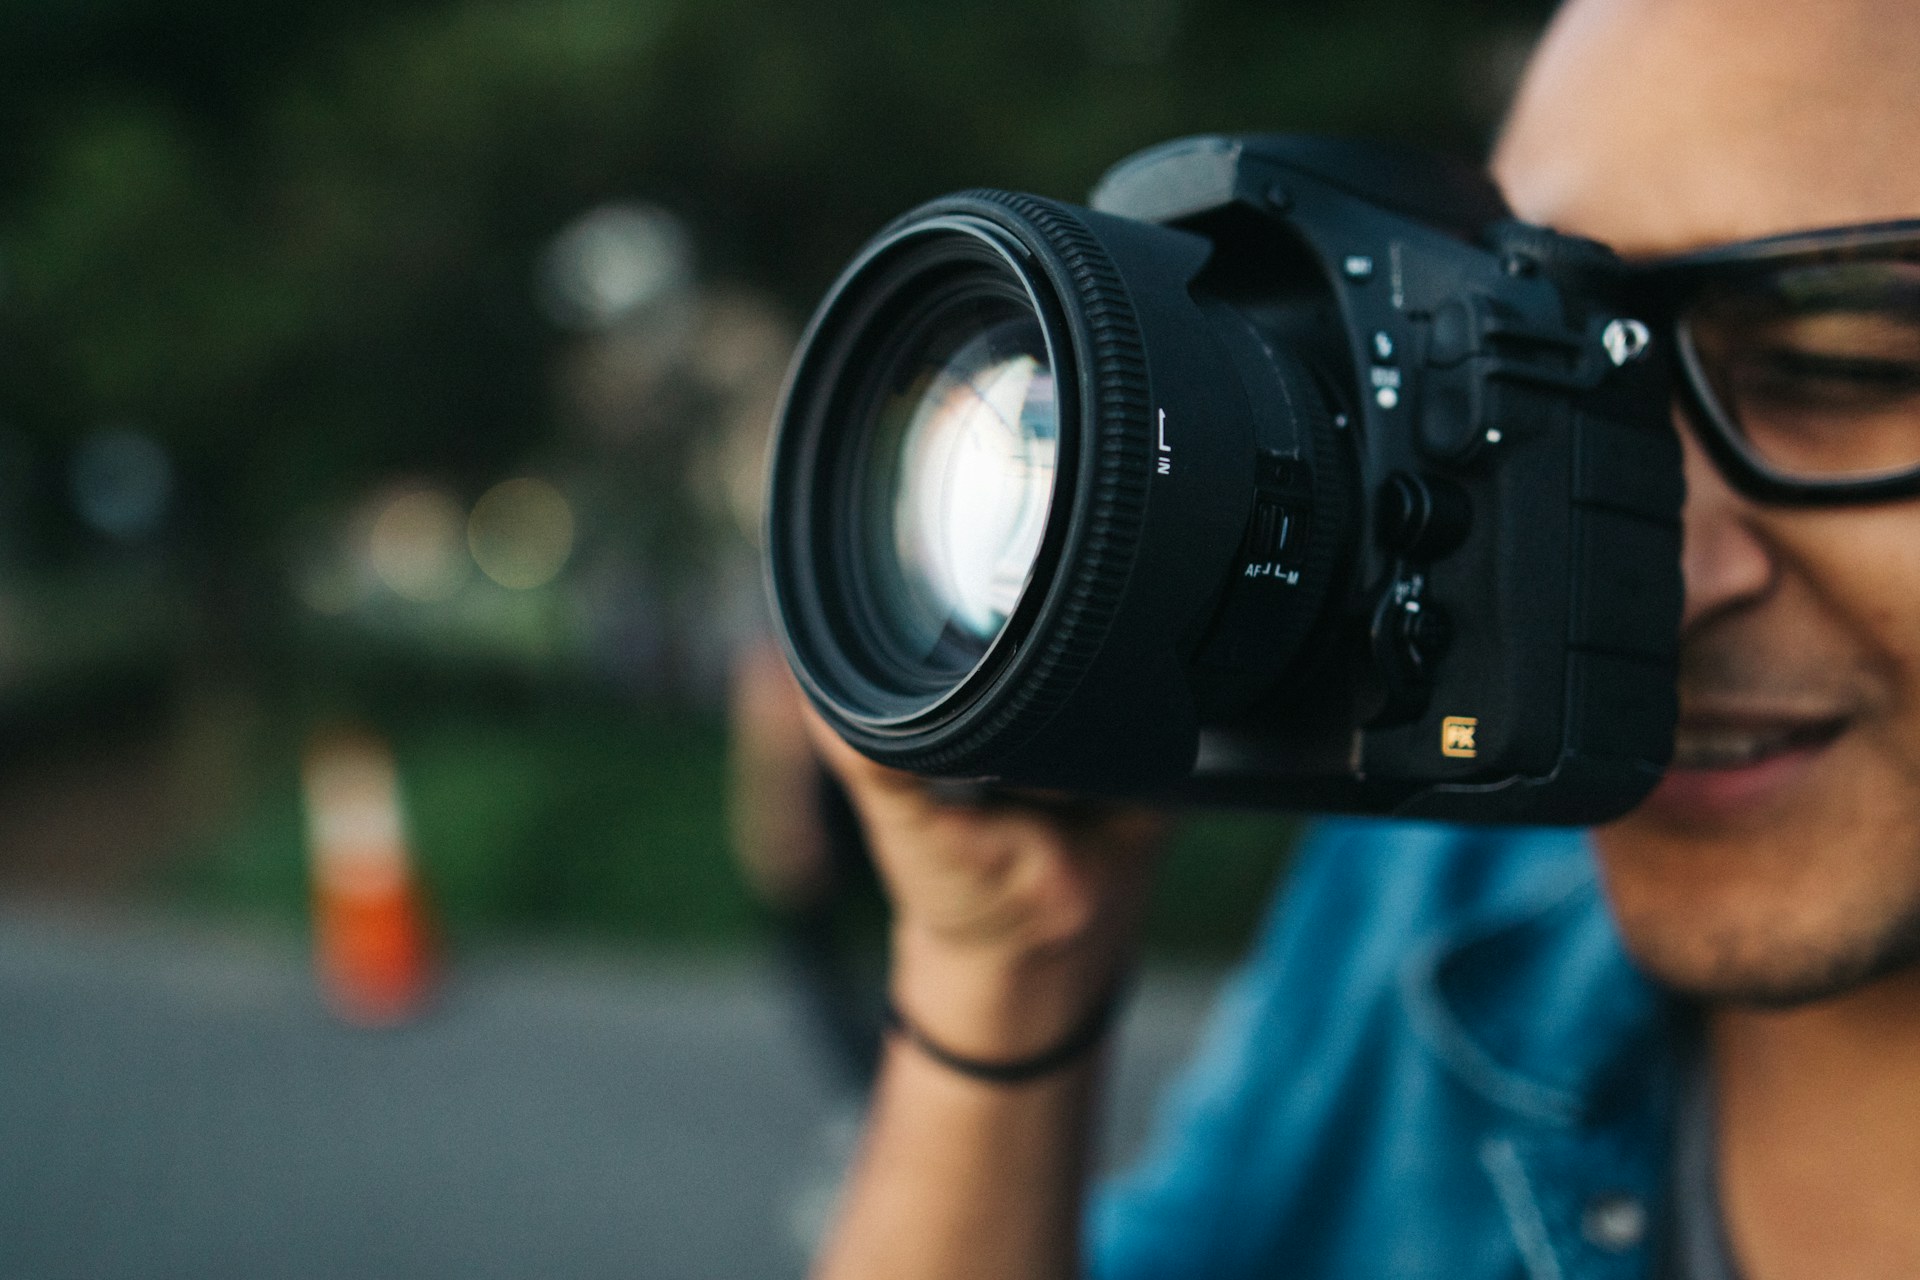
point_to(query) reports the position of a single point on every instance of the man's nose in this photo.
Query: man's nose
(1725, 561)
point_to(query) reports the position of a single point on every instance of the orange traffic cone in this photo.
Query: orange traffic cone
(371, 945)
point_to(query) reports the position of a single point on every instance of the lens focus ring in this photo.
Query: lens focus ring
(1107, 507)
(961, 718)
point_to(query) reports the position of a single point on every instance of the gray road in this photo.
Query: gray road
(175, 1102)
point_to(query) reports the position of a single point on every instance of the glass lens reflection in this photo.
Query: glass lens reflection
(964, 474)
(1816, 366)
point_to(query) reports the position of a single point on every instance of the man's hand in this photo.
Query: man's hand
(1012, 916)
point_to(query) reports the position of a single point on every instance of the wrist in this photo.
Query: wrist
(1069, 1054)
(1002, 1004)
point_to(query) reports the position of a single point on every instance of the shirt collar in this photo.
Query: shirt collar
(1536, 1007)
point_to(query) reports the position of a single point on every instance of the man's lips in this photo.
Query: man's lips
(1730, 764)
(1722, 742)
(1726, 763)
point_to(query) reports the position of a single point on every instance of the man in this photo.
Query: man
(1465, 1054)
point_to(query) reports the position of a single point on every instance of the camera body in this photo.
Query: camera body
(1365, 496)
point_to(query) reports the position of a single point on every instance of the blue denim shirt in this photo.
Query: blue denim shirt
(1438, 1062)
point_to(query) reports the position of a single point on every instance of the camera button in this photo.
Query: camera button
(1426, 632)
(1421, 518)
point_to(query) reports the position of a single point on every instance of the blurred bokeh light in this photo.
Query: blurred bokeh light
(121, 483)
(415, 545)
(521, 532)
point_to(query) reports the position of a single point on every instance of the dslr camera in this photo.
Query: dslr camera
(1291, 472)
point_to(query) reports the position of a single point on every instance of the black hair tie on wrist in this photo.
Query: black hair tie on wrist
(1076, 1045)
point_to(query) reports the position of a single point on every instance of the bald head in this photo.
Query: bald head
(1659, 125)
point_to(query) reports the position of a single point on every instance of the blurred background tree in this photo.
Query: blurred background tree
(287, 293)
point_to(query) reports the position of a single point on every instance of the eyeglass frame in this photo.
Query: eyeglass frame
(1667, 286)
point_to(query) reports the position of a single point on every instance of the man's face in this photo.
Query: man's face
(1780, 861)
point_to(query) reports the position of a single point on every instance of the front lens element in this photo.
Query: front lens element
(1814, 367)
(956, 498)
(959, 481)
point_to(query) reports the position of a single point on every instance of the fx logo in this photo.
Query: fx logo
(1456, 737)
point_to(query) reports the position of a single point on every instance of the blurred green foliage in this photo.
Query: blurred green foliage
(600, 823)
(297, 245)
(295, 240)
(590, 819)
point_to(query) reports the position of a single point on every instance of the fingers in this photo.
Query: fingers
(1080, 815)
(996, 871)
(861, 775)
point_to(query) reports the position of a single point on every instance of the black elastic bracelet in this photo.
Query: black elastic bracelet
(1083, 1038)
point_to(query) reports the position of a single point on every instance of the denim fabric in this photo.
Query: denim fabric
(1437, 1062)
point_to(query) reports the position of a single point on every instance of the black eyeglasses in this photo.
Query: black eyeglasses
(1800, 360)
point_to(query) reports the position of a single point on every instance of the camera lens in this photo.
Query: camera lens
(918, 493)
(958, 528)
(965, 438)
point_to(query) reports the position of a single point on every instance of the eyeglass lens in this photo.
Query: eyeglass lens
(1816, 367)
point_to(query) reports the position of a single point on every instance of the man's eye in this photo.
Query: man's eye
(1790, 377)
